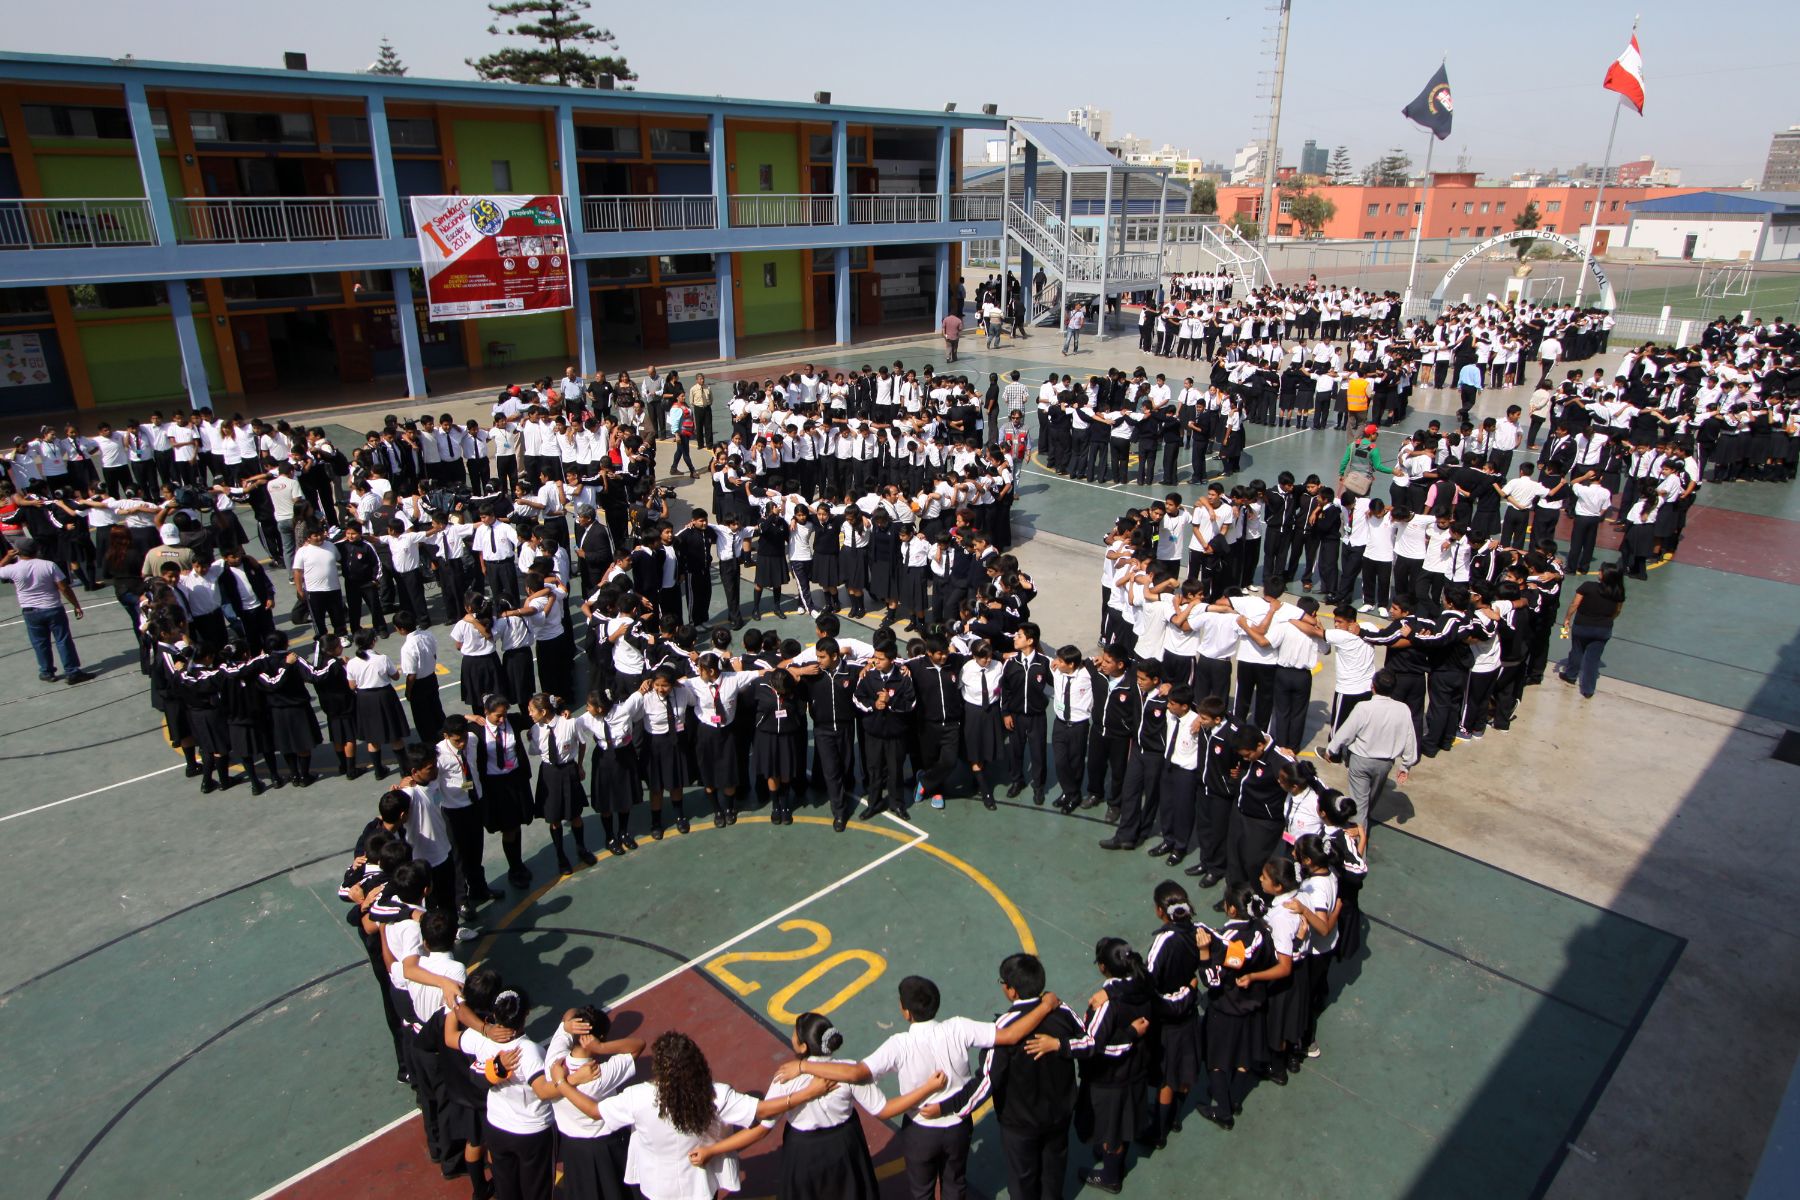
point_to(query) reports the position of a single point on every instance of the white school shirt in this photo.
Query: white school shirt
(1072, 695)
(616, 1071)
(1320, 893)
(318, 567)
(1591, 499)
(830, 1110)
(370, 670)
(1252, 608)
(657, 1162)
(615, 728)
(512, 1106)
(925, 1047)
(1293, 646)
(970, 679)
(1355, 661)
(469, 640)
(428, 999)
(1182, 735)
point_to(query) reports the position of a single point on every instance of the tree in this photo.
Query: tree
(1340, 170)
(1246, 228)
(1393, 169)
(1310, 211)
(1203, 197)
(560, 55)
(386, 61)
(1528, 219)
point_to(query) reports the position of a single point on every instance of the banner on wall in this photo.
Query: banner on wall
(695, 302)
(493, 256)
(22, 361)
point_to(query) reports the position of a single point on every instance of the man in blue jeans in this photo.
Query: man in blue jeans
(42, 587)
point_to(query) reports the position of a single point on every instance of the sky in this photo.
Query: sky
(1525, 79)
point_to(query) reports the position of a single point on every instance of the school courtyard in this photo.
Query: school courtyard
(1577, 980)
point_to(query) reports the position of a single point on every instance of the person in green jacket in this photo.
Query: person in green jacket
(1365, 443)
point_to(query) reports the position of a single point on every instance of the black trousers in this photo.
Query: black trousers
(939, 742)
(467, 836)
(327, 607)
(1141, 794)
(1251, 844)
(1025, 747)
(1069, 744)
(936, 1157)
(1036, 1162)
(835, 752)
(1212, 827)
(1293, 690)
(1409, 689)
(1445, 713)
(502, 579)
(1106, 758)
(1212, 677)
(730, 578)
(1180, 791)
(881, 765)
(1256, 693)
(360, 594)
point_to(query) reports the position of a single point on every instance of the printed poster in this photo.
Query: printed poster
(493, 256)
(693, 302)
(22, 362)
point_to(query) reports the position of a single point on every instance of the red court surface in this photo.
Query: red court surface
(743, 1051)
(1742, 543)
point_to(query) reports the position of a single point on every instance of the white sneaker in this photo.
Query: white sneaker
(1382, 613)
(1367, 608)
(1312, 1051)
(465, 934)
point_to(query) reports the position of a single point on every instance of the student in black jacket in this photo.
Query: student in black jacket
(1034, 1098)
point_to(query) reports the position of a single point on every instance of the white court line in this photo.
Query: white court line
(1296, 433)
(1111, 489)
(628, 997)
(84, 795)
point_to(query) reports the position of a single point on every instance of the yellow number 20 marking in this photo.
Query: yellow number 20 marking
(873, 965)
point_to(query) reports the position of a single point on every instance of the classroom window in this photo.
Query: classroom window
(96, 297)
(1369, 235)
(1465, 232)
(412, 133)
(618, 270)
(607, 139)
(677, 266)
(1468, 207)
(76, 121)
(1374, 210)
(347, 131)
(678, 143)
(278, 129)
(1500, 207)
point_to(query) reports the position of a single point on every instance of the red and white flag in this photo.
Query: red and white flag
(1626, 76)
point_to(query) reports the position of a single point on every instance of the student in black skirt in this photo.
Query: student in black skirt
(1174, 966)
(505, 782)
(462, 1094)
(1319, 905)
(1236, 963)
(294, 731)
(559, 796)
(586, 1067)
(380, 719)
(1288, 997)
(824, 1155)
(473, 638)
(771, 559)
(915, 575)
(337, 702)
(664, 752)
(885, 567)
(1349, 843)
(609, 728)
(518, 677)
(1114, 1058)
(247, 717)
(780, 748)
(520, 1140)
(853, 537)
(827, 572)
(717, 696)
(201, 685)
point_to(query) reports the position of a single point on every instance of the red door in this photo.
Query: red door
(824, 301)
(868, 286)
(256, 362)
(653, 318)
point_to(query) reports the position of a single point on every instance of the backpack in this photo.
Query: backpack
(1359, 475)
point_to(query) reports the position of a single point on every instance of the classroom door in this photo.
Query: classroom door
(256, 359)
(653, 318)
(356, 358)
(824, 301)
(1601, 237)
(868, 293)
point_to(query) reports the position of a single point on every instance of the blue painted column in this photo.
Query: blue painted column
(187, 337)
(721, 169)
(840, 169)
(842, 266)
(381, 149)
(143, 137)
(408, 320)
(727, 306)
(943, 248)
(568, 162)
(1028, 198)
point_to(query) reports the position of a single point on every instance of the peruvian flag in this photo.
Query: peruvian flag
(1626, 76)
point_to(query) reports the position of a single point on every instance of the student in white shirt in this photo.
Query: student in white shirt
(681, 1110)
(823, 1152)
(935, 1143)
(586, 1067)
(520, 1141)
(1355, 660)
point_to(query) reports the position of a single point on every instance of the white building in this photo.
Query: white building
(1246, 164)
(1719, 226)
(1095, 122)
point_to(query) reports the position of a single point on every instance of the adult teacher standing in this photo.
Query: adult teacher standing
(41, 588)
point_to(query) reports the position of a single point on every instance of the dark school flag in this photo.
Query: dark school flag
(1432, 107)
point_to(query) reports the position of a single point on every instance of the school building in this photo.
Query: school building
(174, 231)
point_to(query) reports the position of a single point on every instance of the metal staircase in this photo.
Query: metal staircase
(1073, 256)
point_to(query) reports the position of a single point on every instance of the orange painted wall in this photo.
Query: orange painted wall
(1565, 210)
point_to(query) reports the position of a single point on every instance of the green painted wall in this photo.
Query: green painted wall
(779, 152)
(95, 177)
(779, 309)
(140, 362)
(538, 336)
(479, 144)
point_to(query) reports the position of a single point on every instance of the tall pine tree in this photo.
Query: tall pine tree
(386, 61)
(1341, 170)
(560, 53)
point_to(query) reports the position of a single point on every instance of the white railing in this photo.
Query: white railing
(648, 214)
(279, 218)
(893, 208)
(1178, 229)
(976, 207)
(1045, 245)
(760, 211)
(69, 224)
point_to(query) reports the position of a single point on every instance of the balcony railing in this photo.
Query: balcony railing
(771, 211)
(279, 219)
(893, 208)
(647, 214)
(71, 224)
(976, 208)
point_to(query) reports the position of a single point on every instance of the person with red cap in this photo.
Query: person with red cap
(1359, 478)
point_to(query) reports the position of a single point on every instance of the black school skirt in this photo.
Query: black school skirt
(884, 578)
(613, 780)
(771, 570)
(506, 801)
(716, 757)
(1288, 1009)
(559, 795)
(1182, 1059)
(594, 1168)
(853, 567)
(249, 738)
(379, 718)
(912, 588)
(175, 714)
(210, 730)
(663, 761)
(1349, 926)
(778, 755)
(827, 1164)
(1110, 1114)
(518, 676)
(293, 728)
(556, 666)
(981, 734)
(826, 570)
(480, 679)
(1233, 1041)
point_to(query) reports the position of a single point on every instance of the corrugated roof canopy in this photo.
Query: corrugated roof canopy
(1071, 148)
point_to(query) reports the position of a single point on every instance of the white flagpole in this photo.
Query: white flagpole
(1587, 252)
(1419, 226)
